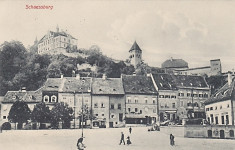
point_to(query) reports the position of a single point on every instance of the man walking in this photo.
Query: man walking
(130, 129)
(172, 142)
(122, 139)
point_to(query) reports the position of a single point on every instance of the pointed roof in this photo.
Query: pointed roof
(135, 46)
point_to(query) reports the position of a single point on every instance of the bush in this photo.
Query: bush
(6, 126)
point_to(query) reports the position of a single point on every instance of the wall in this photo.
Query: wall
(197, 131)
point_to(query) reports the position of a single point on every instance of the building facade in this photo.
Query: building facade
(141, 100)
(56, 42)
(168, 96)
(220, 107)
(108, 102)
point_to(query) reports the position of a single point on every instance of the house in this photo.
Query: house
(193, 91)
(30, 97)
(108, 102)
(56, 42)
(168, 96)
(172, 64)
(76, 92)
(220, 107)
(141, 99)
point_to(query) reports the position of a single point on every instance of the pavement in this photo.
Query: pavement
(108, 139)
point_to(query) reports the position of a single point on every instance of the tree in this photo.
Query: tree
(86, 114)
(61, 112)
(19, 113)
(41, 113)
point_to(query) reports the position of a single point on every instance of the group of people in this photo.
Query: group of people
(128, 141)
(81, 146)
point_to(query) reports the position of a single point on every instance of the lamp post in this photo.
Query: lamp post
(74, 109)
(192, 102)
(83, 81)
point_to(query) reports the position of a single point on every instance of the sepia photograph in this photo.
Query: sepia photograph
(117, 74)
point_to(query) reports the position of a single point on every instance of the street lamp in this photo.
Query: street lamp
(192, 102)
(83, 81)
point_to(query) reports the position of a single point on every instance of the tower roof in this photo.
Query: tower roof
(135, 46)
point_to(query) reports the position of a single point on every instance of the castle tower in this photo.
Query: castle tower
(135, 55)
(216, 68)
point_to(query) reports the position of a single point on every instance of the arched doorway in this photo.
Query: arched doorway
(222, 134)
(209, 132)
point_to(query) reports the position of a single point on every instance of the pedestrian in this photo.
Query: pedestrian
(128, 141)
(172, 142)
(80, 145)
(130, 129)
(122, 139)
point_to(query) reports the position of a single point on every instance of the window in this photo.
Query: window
(200, 95)
(112, 116)
(46, 99)
(53, 99)
(96, 115)
(173, 96)
(221, 107)
(222, 119)
(112, 106)
(102, 114)
(215, 107)
(228, 106)
(140, 111)
(128, 99)
(146, 100)
(173, 105)
(161, 96)
(119, 106)
(96, 105)
(216, 120)
(227, 119)
(207, 109)
(102, 105)
(167, 96)
(4, 117)
(136, 109)
(211, 108)
(154, 109)
(188, 94)
(154, 100)
(129, 109)
(136, 100)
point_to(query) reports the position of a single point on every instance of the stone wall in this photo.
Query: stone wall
(210, 131)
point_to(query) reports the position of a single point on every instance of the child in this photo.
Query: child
(128, 141)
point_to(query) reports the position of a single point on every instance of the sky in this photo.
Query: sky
(195, 31)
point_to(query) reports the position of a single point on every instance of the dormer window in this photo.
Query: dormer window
(53, 99)
(161, 84)
(46, 98)
(13, 97)
(30, 97)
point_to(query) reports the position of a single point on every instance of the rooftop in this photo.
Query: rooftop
(138, 84)
(135, 46)
(27, 96)
(107, 86)
(164, 81)
(190, 81)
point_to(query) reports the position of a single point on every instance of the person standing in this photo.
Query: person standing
(80, 145)
(122, 139)
(172, 139)
(130, 129)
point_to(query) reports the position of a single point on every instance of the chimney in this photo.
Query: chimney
(61, 76)
(148, 75)
(229, 78)
(78, 76)
(23, 89)
(104, 77)
(171, 58)
(134, 74)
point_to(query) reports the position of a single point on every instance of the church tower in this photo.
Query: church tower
(135, 55)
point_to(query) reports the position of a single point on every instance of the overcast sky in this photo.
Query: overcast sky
(196, 31)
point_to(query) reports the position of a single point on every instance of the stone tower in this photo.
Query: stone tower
(135, 55)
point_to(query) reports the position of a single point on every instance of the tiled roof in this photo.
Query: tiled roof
(175, 63)
(190, 81)
(206, 67)
(52, 84)
(71, 84)
(107, 86)
(164, 81)
(138, 84)
(224, 93)
(135, 46)
(28, 96)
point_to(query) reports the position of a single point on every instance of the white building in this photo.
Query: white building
(56, 42)
(220, 107)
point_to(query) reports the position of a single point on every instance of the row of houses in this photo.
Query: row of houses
(114, 102)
